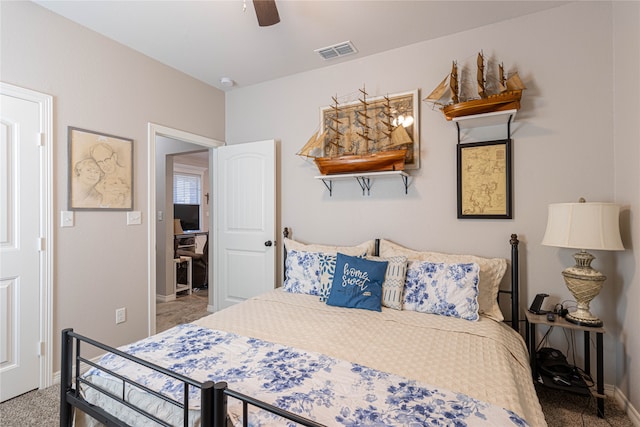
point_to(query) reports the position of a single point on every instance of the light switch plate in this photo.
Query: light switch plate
(66, 218)
(134, 218)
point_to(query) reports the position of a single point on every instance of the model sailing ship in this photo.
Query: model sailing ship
(333, 152)
(447, 94)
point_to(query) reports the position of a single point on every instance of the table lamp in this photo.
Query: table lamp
(583, 226)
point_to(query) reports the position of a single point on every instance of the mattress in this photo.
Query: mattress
(485, 360)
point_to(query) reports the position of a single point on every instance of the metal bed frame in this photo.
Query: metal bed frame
(213, 412)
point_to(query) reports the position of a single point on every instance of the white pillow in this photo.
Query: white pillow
(365, 247)
(491, 272)
(393, 285)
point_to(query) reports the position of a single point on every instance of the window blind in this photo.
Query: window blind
(187, 189)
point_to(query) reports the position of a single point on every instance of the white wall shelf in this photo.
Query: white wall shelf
(364, 179)
(487, 119)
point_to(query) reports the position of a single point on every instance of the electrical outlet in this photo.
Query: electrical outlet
(121, 315)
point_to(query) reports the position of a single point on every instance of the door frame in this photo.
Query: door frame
(46, 244)
(153, 131)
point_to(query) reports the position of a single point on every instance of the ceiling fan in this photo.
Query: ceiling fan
(267, 12)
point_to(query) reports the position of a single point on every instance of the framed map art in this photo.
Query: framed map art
(484, 180)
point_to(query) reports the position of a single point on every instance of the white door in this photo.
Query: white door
(21, 241)
(245, 259)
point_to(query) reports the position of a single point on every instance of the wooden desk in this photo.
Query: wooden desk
(179, 238)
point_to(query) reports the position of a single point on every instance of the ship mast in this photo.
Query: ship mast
(501, 78)
(334, 126)
(365, 124)
(387, 118)
(480, 76)
(453, 83)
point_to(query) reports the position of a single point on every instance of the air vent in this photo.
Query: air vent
(337, 50)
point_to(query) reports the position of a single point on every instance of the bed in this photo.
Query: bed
(293, 356)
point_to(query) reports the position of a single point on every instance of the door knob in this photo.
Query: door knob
(268, 243)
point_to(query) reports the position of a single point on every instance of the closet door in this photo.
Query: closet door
(25, 363)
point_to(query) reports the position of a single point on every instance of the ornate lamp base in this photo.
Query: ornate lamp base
(584, 283)
(595, 322)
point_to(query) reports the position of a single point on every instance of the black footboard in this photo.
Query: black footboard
(214, 396)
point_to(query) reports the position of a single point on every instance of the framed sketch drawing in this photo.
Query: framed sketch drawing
(403, 111)
(484, 180)
(100, 171)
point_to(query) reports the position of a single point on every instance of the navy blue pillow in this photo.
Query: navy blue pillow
(357, 283)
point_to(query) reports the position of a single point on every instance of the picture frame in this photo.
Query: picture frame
(405, 104)
(100, 171)
(485, 180)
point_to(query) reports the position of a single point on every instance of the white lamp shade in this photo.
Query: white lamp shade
(594, 226)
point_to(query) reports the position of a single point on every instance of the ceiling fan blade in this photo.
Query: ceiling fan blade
(267, 12)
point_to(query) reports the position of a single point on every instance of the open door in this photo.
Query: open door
(245, 255)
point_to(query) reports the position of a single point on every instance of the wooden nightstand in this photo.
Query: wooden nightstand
(541, 319)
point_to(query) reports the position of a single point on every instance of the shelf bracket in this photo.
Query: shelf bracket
(365, 180)
(329, 184)
(365, 184)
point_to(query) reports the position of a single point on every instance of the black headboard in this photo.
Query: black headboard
(515, 276)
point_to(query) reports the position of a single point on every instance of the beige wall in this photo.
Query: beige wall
(626, 110)
(565, 147)
(100, 263)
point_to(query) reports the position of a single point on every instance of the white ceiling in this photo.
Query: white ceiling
(213, 39)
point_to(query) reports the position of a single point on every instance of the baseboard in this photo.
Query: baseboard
(624, 403)
(210, 308)
(165, 298)
(83, 369)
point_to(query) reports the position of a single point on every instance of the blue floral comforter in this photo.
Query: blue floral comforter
(327, 390)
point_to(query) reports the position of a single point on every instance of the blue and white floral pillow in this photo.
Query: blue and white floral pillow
(302, 273)
(441, 288)
(327, 270)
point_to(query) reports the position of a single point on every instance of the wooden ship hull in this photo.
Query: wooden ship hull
(391, 160)
(509, 100)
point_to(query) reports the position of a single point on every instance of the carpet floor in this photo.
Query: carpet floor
(40, 408)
